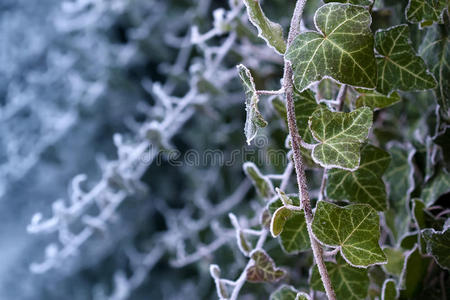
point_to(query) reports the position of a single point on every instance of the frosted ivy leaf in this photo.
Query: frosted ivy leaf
(294, 236)
(254, 118)
(349, 283)
(424, 219)
(356, 2)
(395, 260)
(399, 177)
(435, 50)
(263, 269)
(435, 187)
(428, 11)
(305, 104)
(262, 184)
(327, 89)
(376, 100)
(342, 48)
(414, 271)
(340, 136)
(271, 32)
(399, 68)
(364, 185)
(389, 290)
(279, 219)
(438, 245)
(287, 292)
(354, 229)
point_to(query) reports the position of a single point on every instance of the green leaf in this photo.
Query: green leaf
(340, 136)
(262, 183)
(435, 50)
(355, 229)
(356, 2)
(400, 179)
(409, 240)
(294, 237)
(305, 104)
(363, 185)
(395, 260)
(279, 218)
(342, 48)
(419, 11)
(263, 269)
(242, 242)
(413, 274)
(375, 100)
(435, 187)
(389, 291)
(438, 245)
(254, 118)
(327, 89)
(399, 68)
(287, 292)
(423, 218)
(271, 32)
(349, 283)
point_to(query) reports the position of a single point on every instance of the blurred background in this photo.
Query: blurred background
(90, 90)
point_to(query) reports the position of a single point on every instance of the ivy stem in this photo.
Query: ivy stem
(264, 92)
(296, 140)
(341, 97)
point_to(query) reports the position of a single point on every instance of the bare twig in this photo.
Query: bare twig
(298, 160)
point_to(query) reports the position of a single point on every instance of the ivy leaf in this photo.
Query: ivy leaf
(375, 100)
(305, 104)
(395, 260)
(399, 68)
(340, 136)
(342, 48)
(221, 289)
(363, 185)
(287, 292)
(254, 118)
(349, 283)
(294, 237)
(327, 89)
(423, 218)
(262, 184)
(438, 245)
(389, 290)
(429, 11)
(264, 269)
(356, 2)
(243, 244)
(414, 271)
(355, 229)
(271, 32)
(400, 179)
(435, 50)
(435, 187)
(279, 218)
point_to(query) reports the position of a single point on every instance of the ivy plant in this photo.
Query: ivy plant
(363, 107)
